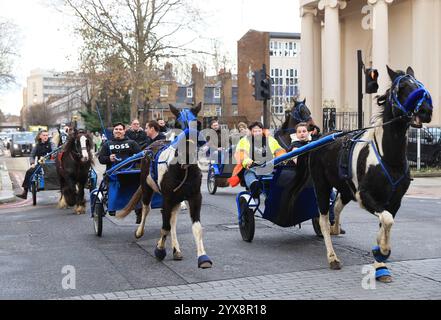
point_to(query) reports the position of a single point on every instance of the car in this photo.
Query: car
(22, 143)
(430, 146)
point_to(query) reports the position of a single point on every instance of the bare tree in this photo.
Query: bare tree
(142, 31)
(8, 41)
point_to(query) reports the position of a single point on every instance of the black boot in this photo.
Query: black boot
(24, 195)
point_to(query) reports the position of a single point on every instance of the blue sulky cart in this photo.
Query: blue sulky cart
(117, 187)
(45, 177)
(288, 192)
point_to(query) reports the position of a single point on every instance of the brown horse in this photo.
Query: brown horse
(176, 181)
(73, 164)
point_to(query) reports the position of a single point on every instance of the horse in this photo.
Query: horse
(73, 164)
(378, 171)
(176, 182)
(299, 113)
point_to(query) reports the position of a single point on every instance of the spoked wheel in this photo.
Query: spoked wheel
(98, 218)
(246, 223)
(211, 181)
(316, 226)
(34, 192)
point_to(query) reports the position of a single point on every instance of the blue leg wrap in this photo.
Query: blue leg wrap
(204, 259)
(378, 256)
(382, 272)
(160, 254)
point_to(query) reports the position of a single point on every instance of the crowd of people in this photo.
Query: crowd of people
(250, 145)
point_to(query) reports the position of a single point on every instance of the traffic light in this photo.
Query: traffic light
(262, 85)
(371, 81)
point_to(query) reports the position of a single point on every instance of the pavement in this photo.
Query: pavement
(6, 189)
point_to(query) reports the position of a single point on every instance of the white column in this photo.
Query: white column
(306, 60)
(380, 49)
(317, 108)
(331, 51)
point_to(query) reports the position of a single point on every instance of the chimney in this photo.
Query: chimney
(227, 93)
(198, 80)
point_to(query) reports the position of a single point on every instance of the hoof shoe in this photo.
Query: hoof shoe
(204, 262)
(160, 254)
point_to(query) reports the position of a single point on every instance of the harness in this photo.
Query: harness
(414, 101)
(297, 114)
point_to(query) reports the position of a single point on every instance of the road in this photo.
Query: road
(38, 244)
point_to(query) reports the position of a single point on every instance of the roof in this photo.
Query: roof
(284, 35)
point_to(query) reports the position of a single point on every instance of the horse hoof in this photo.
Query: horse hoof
(138, 236)
(177, 255)
(335, 265)
(204, 262)
(160, 254)
(378, 256)
(382, 274)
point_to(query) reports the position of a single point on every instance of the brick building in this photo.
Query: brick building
(280, 52)
(218, 95)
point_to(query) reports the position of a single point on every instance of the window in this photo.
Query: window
(218, 111)
(190, 92)
(164, 91)
(217, 93)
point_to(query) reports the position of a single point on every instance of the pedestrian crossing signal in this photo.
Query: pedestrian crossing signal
(371, 81)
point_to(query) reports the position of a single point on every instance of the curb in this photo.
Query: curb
(6, 190)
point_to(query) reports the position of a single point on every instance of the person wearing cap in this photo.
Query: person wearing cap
(254, 149)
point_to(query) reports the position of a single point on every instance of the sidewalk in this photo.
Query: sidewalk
(410, 277)
(6, 190)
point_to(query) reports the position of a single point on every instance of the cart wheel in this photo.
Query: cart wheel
(211, 181)
(98, 218)
(247, 223)
(316, 226)
(34, 192)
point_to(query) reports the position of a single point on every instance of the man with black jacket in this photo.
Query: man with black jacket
(116, 150)
(136, 134)
(41, 149)
(153, 132)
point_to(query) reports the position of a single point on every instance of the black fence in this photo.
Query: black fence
(333, 120)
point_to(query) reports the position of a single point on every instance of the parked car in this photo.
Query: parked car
(22, 143)
(430, 146)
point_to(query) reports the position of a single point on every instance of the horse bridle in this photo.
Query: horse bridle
(75, 151)
(415, 99)
(296, 112)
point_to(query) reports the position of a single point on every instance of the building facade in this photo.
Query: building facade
(280, 52)
(218, 95)
(398, 33)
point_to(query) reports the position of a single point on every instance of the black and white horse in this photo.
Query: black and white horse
(378, 166)
(73, 164)
(299, 113)
(176, 181)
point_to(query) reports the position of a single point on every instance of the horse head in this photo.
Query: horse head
(408, 98)
(80, 144)
(186, 120)
(299, 113)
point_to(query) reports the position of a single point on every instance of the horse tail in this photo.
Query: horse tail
(131, 205)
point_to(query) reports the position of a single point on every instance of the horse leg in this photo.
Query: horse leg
(81, 203)
(62, 202)
(383, 250)
(147, 195)
(166, 212)
(338, 208)
(325, 226)
(195, 204)
(177, 254)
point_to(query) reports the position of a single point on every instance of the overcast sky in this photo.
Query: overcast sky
(46, 39)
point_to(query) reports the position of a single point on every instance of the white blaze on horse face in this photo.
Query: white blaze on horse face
(85, 154)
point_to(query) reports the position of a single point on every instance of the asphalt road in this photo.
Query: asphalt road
(37, 243)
